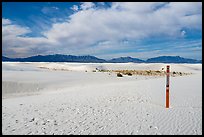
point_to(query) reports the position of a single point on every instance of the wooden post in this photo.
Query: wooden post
(167, 85)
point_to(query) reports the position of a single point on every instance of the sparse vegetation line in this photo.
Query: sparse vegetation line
(145, 72)
(130, 72)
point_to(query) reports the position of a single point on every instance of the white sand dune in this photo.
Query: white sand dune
(13, 89)
(79, 102)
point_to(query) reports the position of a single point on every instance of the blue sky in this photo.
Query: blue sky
(106, 30)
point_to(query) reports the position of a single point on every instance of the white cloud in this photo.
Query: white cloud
(75, 8)
(122, 21)
(89, 26)
(6, 21)
(87, 5)
(56, 8)
(16, 44)
(183, 33)
(49, 10)
(14, 30)
(137, 7)
(101, 3)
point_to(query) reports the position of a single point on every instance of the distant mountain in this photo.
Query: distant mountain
(57, 58)
(126, 60)
(92, 59)
(5, 59)
(172, 59)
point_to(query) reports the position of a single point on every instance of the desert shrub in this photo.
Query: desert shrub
(102, 70)
(94, 71)
(129, 74)
(148, 71)
(174, 72)
(157, 71)
(119, 75)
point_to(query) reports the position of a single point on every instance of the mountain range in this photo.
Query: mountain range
(93, 59)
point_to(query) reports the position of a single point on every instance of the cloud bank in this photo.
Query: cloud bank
(101, 30)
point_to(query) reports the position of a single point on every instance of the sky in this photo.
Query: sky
(102, 29)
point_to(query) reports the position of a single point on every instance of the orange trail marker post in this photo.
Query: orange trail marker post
(167, 85)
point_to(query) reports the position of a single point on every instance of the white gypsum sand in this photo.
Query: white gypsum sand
(65, 99)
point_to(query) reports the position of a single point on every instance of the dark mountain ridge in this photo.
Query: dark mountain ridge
(93, 59)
